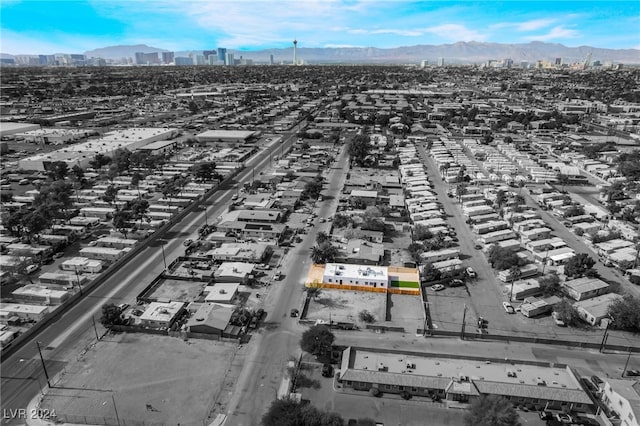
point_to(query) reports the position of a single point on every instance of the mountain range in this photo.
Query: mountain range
(456, 53)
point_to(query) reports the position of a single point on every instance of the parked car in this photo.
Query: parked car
(58, 255)
(508, 308)
(564, 418)
(327, 370)
(30, 269)
(294, 313)
(437, 287)
(123, 307)
(545, 415)
(47, 260)
(93, 243)
(585, 421)
(588, 385)
(187, 242)
(470, 272)
(456, 283)
(557, 320)
(633, 372)
(597, 381)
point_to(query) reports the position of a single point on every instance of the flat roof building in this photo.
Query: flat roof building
(161, 315)
(462, 379)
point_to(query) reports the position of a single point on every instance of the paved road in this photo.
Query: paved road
(278, 341)
(73, 331)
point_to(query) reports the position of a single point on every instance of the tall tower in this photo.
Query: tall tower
(295, 52)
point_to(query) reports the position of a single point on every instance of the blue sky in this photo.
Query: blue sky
(74, 26)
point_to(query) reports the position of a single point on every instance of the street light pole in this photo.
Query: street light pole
(93, 319)
(44, 367)
(464, 316)
(164, 260)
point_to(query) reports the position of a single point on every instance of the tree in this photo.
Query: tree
(502, 258)
(110, 194)
(415, 250)
(578, 265)
(341, 220)
(313, 292)
(121, 160)
(625, 313)
(6, 197)
(366, 316)
(501, 198)
(430, 273)
(205, 171)
(136, 177)
(567, 313)
(491, 410)
(139, 209)
(34, 222)
(515, 273)
(421, 232)
(287, 412)
(111, 315)
(121, 220)
(317, 340)
(58, 170)
(99, 160)
(549, 284)
(312, 190)
(322, 237)
(359, 148)
(54, 199)
(324, 253)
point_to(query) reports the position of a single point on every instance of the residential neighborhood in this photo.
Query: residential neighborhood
(430, 236)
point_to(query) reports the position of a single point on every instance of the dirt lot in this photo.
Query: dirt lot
(181, 291)
(177, 382)
(406, 311)
(344, 306)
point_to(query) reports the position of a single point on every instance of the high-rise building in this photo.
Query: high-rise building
(424, 63)
(295, 52)
(558, 62)
(151, 58)
(139, 58)
(229, 59)
(181, 60)
(222, 55)
(441, 62)
(271, 59)
(200, 60)
(167, 57)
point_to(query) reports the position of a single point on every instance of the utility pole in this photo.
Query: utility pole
(75, 267)
(464, 316)
(626, 364)
(44, 367)
(164, 260)
(93, 319)
(115, 409)
(604, 336)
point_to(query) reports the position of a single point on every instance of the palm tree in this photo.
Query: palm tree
(322, 237)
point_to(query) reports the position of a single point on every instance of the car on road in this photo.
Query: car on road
(58, 255)
(187, 242)
(437, 287)
(327, 370)
(47, 260)
(470, 272)
(30, 269)
(295, 313)
(508, 308)
(557, 319)
(123, 307)
(93, 243)
(633, 372)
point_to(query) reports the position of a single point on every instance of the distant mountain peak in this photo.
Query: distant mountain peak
(121, 51)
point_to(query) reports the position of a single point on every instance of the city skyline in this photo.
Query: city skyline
(48, 27)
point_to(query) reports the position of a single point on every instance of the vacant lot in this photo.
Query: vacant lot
(406, 311)
(151, 378)
(344, 306)
(177, 290)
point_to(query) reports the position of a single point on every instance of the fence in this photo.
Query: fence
(118, 421)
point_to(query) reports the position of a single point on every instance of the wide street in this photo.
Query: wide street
(278, 341)
(22, 374)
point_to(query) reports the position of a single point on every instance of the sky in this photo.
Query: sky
(75, 26)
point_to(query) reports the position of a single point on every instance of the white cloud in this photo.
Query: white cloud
(456, 32)
(531, 25)
(405, 33)
(558, 32)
